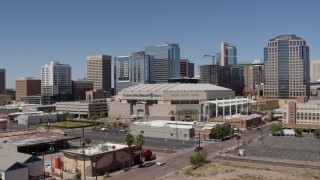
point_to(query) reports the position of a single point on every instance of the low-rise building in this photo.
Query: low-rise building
(100, 159)
(84, 108)
(15, 165)
(305, 115)
(180, 130)
(204, 132)
(240, 121)
(33, 119)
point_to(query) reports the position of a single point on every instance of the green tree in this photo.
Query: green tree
(276, 128)
(308, 130)
(69, 116)
(298, 131)
(94, 118)
(102, 115)
(198, 159)
(129, 138)
(316, 133)
(220, 131)
(139, 143)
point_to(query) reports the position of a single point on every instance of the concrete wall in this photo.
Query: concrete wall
(119, 109)
(162, 132)
(17, 174)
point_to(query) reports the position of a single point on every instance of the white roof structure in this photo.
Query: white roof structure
(95, 150)
(169, 87)
(288, 132)
(164, 123)
(242, 117)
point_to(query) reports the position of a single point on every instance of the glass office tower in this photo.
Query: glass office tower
(287, 71)
(166, 61)
(132, 70)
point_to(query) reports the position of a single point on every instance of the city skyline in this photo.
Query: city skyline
(35, 33)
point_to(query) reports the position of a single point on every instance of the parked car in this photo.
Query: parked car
(147, 164)
(103, 129)
(47, 166)
(197, 149)
(123, 131)
(160, 163)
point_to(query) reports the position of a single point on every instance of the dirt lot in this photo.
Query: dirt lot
(241, 172)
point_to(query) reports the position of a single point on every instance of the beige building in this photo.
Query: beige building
(99, 159)
(96, 94)
(83, 108)
(287, 68)
(161, 99)
(306, 115)
(315, 70)
(2, 81)
(253, 78)
(99, 71)
(27, 86)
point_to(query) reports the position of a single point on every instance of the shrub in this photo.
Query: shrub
(126, 169)
(147, 154)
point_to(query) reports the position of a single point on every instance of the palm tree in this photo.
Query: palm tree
(140, 142)
(129, 138)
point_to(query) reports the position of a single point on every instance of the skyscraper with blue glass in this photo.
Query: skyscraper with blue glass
(286, 60)
(166, 61)
(132, 70)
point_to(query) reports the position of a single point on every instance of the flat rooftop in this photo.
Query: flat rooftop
(32, 137)
(242, 117)
(165, 123)
(169, 87)
(96, 150)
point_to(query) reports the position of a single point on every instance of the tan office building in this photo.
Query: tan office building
(2, 81)
(287, 70)
(99, 71)
(315, 70)
(27, 86)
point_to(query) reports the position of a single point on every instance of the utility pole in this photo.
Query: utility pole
(199, 138)
(79, 109)
(261, 132)
(238, 137)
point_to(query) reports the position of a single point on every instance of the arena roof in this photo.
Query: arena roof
(174, 87)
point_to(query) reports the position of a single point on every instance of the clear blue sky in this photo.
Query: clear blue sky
(34, 32)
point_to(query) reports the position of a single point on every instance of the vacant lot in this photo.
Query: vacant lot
(218, 171)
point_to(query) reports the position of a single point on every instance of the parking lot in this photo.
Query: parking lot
(284, 147)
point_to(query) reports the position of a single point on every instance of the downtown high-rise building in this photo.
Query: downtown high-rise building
(287, 70)
(186, 68)
(254, 78)
(225, 76)
(133, 70)
(2, 81)
(99, 71)
(315, 71)
(166, 61)
(27, 86)
(227, 55)
(56, 82)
